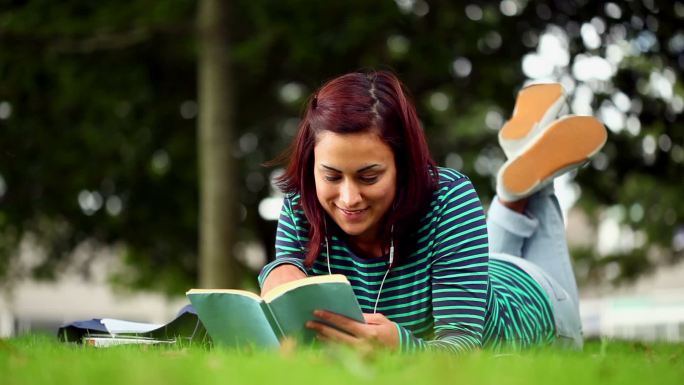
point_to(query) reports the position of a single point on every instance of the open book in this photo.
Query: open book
(239, 318)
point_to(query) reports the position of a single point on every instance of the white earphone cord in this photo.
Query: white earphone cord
(391, 259)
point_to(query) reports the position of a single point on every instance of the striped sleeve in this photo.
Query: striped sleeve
(459, 271)
(290, 241)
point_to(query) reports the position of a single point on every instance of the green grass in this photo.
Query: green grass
(42, 360)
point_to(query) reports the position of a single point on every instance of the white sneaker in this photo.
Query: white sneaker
(535, 107)
(563, 145)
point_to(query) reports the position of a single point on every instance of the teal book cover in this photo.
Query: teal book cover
(242, 318)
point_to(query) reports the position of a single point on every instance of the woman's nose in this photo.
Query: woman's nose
(350, 195)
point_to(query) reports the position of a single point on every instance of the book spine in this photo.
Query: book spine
(272, 320)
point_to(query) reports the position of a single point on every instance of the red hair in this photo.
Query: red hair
(363, 102)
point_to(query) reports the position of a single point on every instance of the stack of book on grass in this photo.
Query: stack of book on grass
(103, 332)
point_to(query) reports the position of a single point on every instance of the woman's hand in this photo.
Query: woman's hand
(378, 331)
(281, 274)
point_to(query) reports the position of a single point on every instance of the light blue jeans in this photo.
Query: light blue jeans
(535, 241)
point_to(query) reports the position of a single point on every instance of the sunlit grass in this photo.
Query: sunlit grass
(42, 360)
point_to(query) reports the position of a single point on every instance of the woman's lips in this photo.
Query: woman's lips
(353, 215)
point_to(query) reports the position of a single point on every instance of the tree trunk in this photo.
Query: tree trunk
(218, 194)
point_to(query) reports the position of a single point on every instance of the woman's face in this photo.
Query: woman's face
(356, 179)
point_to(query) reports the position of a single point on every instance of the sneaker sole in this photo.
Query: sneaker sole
(536, 106)
(564, 145)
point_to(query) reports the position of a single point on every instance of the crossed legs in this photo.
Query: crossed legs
(525, 221)
(537, 235)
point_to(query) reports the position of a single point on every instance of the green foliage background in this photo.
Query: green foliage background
(102, 97)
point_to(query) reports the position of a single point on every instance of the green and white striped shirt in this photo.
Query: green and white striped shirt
(448, 293)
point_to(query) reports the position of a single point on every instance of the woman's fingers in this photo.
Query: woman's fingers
(327, 333)
(377, 331)
(341, 322)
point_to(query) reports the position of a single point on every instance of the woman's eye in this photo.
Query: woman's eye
(369, 179)
(331, 178)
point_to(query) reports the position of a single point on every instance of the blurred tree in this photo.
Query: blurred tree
(98, 102)
(215, 128)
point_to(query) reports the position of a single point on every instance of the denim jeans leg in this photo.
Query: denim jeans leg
(547, 247)
(538, 236)
(508, 230)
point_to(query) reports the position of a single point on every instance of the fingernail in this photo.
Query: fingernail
(318, 313)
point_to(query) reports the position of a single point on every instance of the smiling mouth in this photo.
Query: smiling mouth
(352, 212)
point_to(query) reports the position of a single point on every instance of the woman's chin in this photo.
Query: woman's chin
(352, 230)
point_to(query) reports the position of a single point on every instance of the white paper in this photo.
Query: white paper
(120, 326)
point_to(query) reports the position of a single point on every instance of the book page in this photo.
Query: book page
(284, 288)
(226, 291)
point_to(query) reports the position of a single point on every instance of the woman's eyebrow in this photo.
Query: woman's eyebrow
(362, 169)
(330, 168)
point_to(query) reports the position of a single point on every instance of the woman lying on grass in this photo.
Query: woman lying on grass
(365, 199)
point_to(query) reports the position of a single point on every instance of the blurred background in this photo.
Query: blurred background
(133, 136)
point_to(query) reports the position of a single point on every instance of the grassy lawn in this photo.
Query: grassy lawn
(43, 360)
